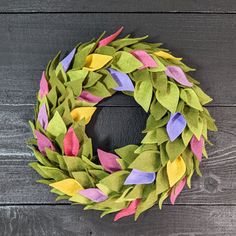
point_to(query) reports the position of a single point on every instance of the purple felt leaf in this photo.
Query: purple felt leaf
(108, 161)
(43, 117)
(122, 79)
(88, 97)
(43, 91)
(197, 146)
(145, 58)
(94, 194)
(140, 177)
(43, 142)
(67, 60)
(178, 75)
(175, 126)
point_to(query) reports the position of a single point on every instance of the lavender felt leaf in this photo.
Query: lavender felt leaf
(140, 177)
(67, 60)
(43, 117)
(94, 194)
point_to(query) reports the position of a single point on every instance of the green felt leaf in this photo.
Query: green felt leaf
(91, 79)
(108, 80)
(60, 73)
(189, 177)
(54, 81)
(158, 136)
(196, 164)
(42, 159)
(175, 149)
(76, 86)
(146, 147)
(143, 93)
(210, 121)
(152, 123)
(74, 163)
(87, 148)
(45, 181)
(187, 156)
(105, 50)
(163, 154)
(54, 64)
(125, 192)
(190, 97)
(52, 98)
(83, 178)
(127, 153)
(136, 192)
(186, 136)
(98, 174)
(157, 110)
(91, 164)
(80, 199)
(160, 81)
(169, 99)
(140, 75)
(160, 66)
(52, 156)
(37, 167)
(125, 62)
(56, 125)
(203, 97)
(77, 75)
(115, 180)
(162, 183)
(163, 197)
(99, 90)
(148, 161)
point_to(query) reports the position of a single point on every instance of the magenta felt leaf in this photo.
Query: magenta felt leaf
(140, 177)
(88, 97)
(94, 194)
(71, 143)
(67, 60)
(43, 91)
(175, 191)
(122, 79)
(178, 75)
(130, 210)
(175, 126)
(145, 58)
(110, 38)
(43, 116)
(197, 146)
(43, 142)
(108, 161)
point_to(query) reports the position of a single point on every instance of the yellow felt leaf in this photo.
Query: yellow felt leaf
(175, 170)
(83, 112)
(96, 61)
(69, 187)
(166, 55)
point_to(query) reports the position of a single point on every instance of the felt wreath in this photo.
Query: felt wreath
(136, 177)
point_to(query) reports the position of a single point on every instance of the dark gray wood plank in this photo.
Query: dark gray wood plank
(17, 180)
(66, 220)
(207, 42)
(118, 6)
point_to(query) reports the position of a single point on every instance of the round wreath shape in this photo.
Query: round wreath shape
(136, 177)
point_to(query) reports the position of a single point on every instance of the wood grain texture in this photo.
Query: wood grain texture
(29, 41)
(17, 180)
(72, 221)
(118, 6)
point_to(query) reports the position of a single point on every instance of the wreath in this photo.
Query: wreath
(136, 177)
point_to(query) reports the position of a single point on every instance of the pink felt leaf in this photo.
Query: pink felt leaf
(130, 210)
(94, 194)
(175, 191)
(43, 91)
(43, 117)
(178, 75)
(43, 142)
(108, 161)
(71, 143)
(197, 146)
(145, 58)
(110, 38)
(88, 97)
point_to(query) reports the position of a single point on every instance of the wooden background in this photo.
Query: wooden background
(31, 32)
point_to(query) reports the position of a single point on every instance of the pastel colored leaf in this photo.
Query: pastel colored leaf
(69, 187)
(197, 146)
(175, 191)
(43, 116)
(178, 75)
(88, 97)
(56, 125)
(175, 170)
(67, 60)
(83, 113)
(130, 210)
(94, 194)
(125, 62)
(167, 55)
(96, 61)
(143, 93)
(175, 148)
(175, 126)
(43, 91)
(110, 38)
(140, 177)
(190, 97)
(122, 79)
(71, 143)
(108, 161)
(169, 98)
(145, 58)
(43, 142)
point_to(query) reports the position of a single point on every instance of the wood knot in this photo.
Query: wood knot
(210, 184)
